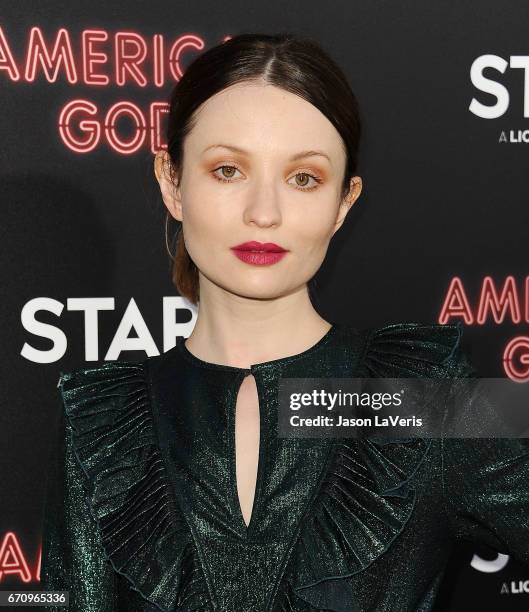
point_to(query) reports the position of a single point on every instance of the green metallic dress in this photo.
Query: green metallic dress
(142, 512)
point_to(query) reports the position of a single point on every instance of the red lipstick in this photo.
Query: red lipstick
(259, 253)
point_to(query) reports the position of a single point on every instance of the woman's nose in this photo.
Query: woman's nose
(263, 206)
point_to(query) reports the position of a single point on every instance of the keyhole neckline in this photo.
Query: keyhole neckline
(256, 366)
(247, 530)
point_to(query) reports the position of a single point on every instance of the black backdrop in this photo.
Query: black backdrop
(444, 164)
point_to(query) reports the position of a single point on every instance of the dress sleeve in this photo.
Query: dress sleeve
(486, 481)
(72, 556)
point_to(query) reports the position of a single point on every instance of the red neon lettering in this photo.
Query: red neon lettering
(131, 50)
(6, 58)
(114, 113)
(12, 560)
(91, 128)
(518, 345)
(489, 300)
(156, 111)
(158, 63)
(61, 55)
(82, 135)
(456, 303)
(175, 54)
(91, 57)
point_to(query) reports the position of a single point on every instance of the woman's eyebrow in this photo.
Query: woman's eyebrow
(300, 155)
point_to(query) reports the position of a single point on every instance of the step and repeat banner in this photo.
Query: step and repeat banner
(440, 232)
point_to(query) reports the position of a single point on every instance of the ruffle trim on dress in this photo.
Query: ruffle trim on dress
(413, 349)
(144, 535)
(367, 496)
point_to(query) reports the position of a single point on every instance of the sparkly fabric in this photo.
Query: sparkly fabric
(142, 512)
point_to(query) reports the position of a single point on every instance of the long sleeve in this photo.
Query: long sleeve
(486, 480)
(487, 492)
(72, 557)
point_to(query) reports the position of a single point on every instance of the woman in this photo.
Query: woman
(172, 489)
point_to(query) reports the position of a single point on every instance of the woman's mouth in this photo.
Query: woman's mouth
(259, 253)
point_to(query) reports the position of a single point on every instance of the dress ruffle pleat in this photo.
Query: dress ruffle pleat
(144, 536)
(367, 495)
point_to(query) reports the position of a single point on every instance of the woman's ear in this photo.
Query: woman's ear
(355, 188)
(170, 193)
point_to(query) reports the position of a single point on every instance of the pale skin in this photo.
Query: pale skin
(249, 314)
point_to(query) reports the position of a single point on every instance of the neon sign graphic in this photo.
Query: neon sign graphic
(134, 61)
(500, 305)
(13, 561)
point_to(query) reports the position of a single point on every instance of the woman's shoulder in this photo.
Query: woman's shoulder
(103, 403)
(415, 348)
(101, 392)
(103, 370)
(117, 377)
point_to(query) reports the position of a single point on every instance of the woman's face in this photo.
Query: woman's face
(251, 173)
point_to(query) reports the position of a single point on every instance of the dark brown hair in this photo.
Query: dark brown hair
(297, 65)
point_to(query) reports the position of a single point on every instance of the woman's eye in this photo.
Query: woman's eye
(227, 173)
(304, 183)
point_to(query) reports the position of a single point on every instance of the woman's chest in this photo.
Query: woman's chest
(229, 469)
